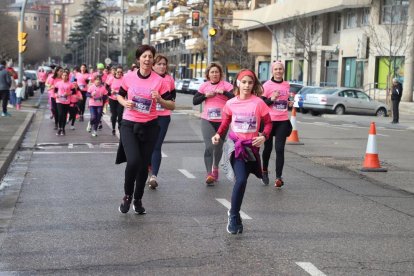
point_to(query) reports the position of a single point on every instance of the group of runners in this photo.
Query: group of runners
(244, 114)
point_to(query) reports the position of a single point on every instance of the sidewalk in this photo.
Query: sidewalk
(12, 130)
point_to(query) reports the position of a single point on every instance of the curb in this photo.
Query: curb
(14, 144)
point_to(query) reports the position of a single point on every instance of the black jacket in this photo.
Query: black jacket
(5, 79)
(396, 92)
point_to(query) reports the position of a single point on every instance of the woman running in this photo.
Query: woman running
(244, 114)
(139, 93)
(164, 107)
(113, 84)
(51, 82)
(214, 92)
(96, 92)
(276, 96)
(82, 79)
(64, 90)
(73, 107)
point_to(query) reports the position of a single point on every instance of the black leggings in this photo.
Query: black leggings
(73, 110)
(4, 97)
(116, 112)
(82, 103)
(62, 114)
(281, 130)
(54, 110)
(138, 140)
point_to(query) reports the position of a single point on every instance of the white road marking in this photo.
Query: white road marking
(73, 152)
(187, 173)
(227, 204)
(385, 135)
(310, 268)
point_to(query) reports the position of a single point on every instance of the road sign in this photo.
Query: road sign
(108, 61)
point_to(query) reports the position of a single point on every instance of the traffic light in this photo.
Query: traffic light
(22, 42)
(212, 32)
(195, 18)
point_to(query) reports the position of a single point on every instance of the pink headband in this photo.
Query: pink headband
(246, 73)
(278, 62)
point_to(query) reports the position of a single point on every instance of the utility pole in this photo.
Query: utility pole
(210, 25)
(122, 32)
(149, 22)
(21, 31)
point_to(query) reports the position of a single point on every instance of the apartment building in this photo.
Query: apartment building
(184, 45)
(36, 20)
(347, 44)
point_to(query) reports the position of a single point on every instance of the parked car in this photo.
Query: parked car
(184, 88)
(343, 100)
(31, 81)
(301, 95)
(178, 85)
(194, 85)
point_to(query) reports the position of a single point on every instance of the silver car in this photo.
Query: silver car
(343, 100)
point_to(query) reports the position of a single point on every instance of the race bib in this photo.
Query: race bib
(280, 105)
(115, 93)
(244, 124)
(97, 99)
(214, 113)
(63, 97)
(159, 107)
(142, 105)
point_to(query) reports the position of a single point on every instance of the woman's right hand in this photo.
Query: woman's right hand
(215, 139)
(210, 94)
(129, 104)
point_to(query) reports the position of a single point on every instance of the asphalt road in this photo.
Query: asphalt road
(328, 219)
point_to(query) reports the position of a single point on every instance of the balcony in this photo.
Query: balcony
(162, 4)
(194, 43)
(160, 20)
(194, 2)
(169, 17)
(181, 11)
(153, 10)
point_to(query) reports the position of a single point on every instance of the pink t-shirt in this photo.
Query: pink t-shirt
(76, 97)
(213, 106)
(279, 109)
(81, 80)
(97, 99)
(42, 76)
(109, 79)
(139, 91)
(245, 115)
(64, 92)
(115, 85)
(168, 85)
(52, 82)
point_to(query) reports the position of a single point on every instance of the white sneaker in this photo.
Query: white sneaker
(10, 106)
(72, 127)
(89, 128)
(94, 134)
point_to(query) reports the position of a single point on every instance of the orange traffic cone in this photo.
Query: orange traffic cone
(371, 162)
(293, 139)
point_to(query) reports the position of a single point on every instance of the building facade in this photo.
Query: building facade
(333, 42)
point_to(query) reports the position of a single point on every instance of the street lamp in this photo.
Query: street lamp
(99, 45)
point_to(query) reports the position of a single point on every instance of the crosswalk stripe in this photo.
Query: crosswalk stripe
(310, 268)
(187, 173)
(227, 204)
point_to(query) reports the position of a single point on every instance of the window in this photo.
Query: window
(351, 20)
(394, 11)
(365, 17)
(337, 23)
(314, 26)
(362, 96)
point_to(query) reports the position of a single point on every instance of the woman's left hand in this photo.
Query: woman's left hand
(290, 103)
(155, 95)
(258, 141)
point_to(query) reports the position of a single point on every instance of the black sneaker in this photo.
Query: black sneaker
(63, 132)
(100, 126)
(113, 132)
(138, 208)
(126, 203)
(234, 224)
(265, 178)
(58, 132)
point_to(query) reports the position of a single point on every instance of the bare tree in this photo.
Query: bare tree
(389, 42)
(8, 30)
(306, 33)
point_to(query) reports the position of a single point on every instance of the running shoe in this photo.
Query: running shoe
(63, 132)
(72, 127)
(234, 224)
(210, 180)
(89, 127)
(152, 183)
(215, 173)
(5, 114)
(100, 126)
(80, 118)
(279, 183)
(265, 178)
(126, 203)
(58, 132)
(94, 134)
(138, 208)
(113, 132)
